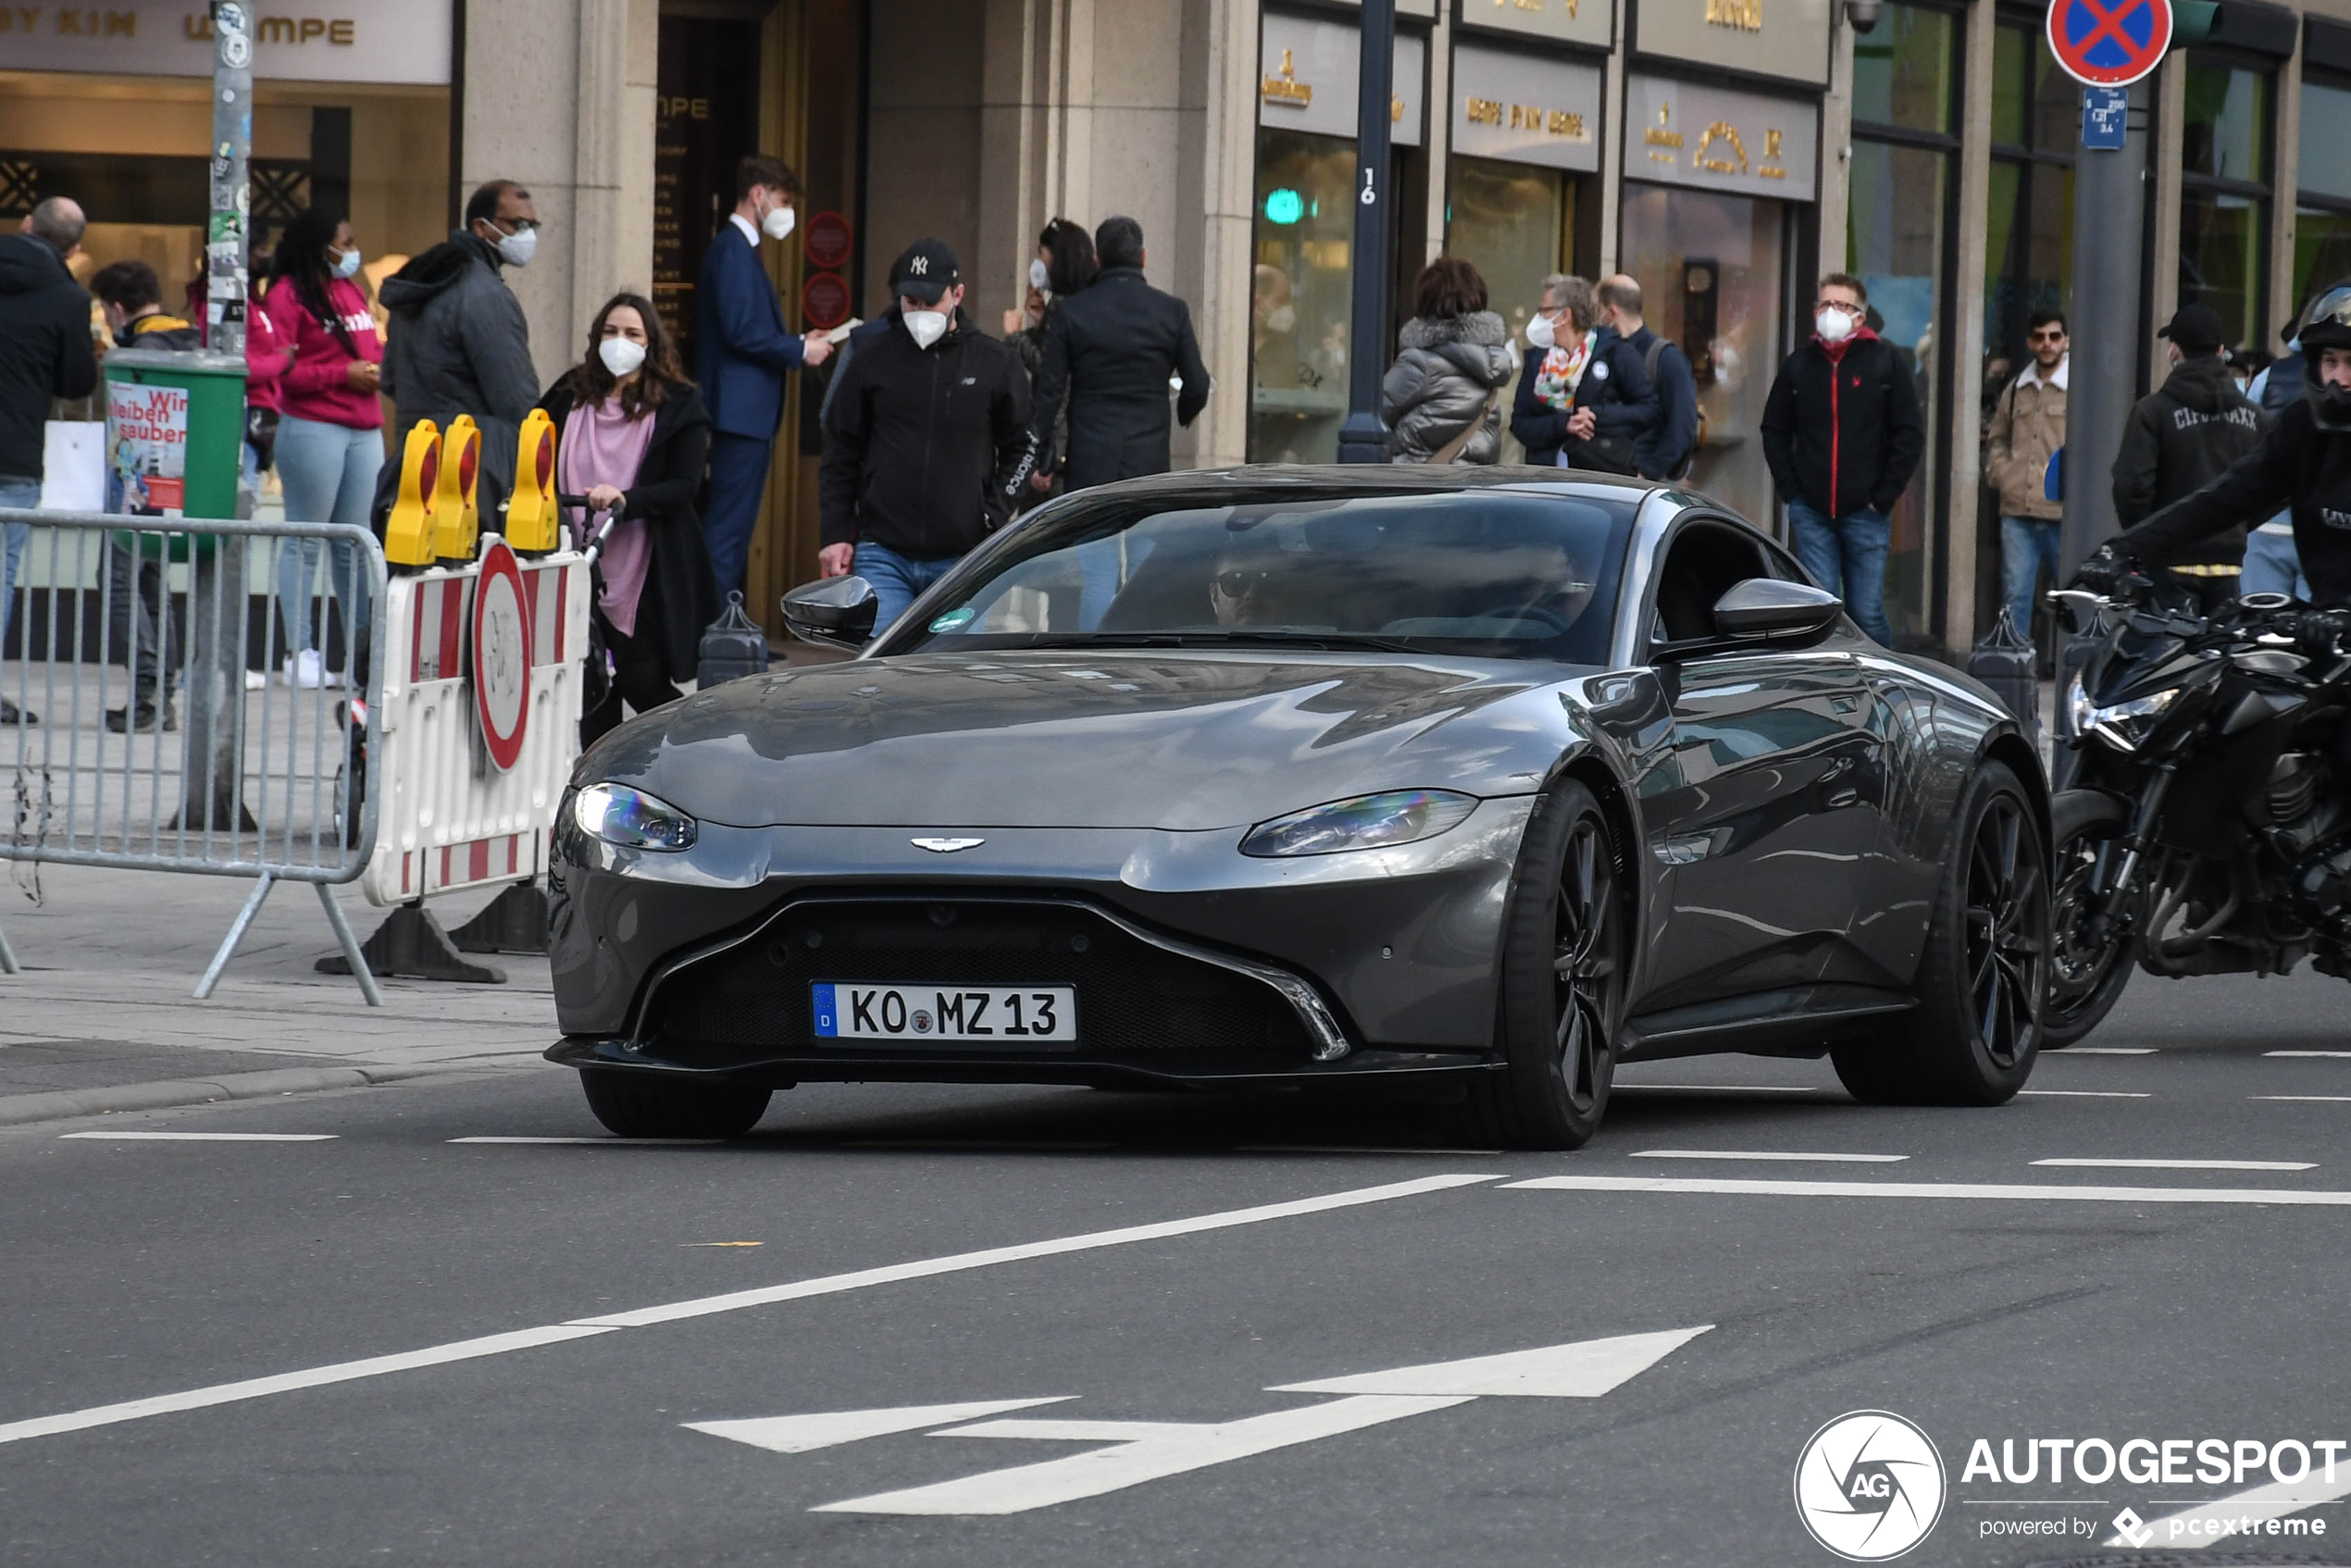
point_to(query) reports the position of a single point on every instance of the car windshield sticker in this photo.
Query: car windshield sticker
(953, 619)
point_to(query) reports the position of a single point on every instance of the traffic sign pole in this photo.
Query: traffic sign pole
(2110, 208)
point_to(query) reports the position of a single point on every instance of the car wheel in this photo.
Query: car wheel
(1564, 942)
(1983, 976)
(2086, 975)
(636, 1106)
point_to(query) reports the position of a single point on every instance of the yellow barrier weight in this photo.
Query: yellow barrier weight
(456, 522)
(408, 531)
(534, 523)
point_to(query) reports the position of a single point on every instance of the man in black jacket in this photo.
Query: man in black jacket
(1664, 451)
(45, 353)
(1843, 435)
(2180, 438)
(1109, 350)
(926, 442)
(2303, 464)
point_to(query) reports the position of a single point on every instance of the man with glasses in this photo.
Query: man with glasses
(2028, 427)
(458, 343)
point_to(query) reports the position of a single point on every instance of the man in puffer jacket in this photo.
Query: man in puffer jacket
(1440, 397)
(2181, 437)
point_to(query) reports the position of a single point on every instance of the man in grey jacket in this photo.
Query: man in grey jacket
(459, 343)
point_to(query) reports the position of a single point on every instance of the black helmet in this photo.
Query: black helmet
(2327, 325)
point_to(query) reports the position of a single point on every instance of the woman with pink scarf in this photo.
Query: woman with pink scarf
(631, 431)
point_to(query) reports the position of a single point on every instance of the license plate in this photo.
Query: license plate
(1024, 1015)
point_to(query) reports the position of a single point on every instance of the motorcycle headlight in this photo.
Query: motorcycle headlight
(620, 814)
(2078, 707)
(1367, 822)
(2124, 725)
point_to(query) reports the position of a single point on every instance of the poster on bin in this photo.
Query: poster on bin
(146, 448)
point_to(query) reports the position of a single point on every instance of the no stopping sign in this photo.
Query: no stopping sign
(2109, 43)
(502, 655)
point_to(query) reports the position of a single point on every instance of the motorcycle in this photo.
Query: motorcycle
(2205, 828)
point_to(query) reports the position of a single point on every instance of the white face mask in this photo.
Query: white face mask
(517, 248)
(1539, 333)
(347, 264)
(926, 327)
(778, 224)
(620, 356)
(1835, 324)
(1038, 279)
(1282, 319)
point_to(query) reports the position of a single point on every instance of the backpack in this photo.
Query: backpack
(1655, 352)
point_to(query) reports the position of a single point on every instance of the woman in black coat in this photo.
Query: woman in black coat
(630, 428)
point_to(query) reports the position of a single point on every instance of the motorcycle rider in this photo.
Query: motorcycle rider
(2303, 465)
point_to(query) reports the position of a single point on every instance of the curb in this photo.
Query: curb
(65, 1104)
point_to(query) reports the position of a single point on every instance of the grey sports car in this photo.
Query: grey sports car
(1282, 776)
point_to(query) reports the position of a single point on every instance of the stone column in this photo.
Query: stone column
(2285, 178)
(2163, 163)
(1965, 315)
(1227, 68)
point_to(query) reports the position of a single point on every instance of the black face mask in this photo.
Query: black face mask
(2328, 325)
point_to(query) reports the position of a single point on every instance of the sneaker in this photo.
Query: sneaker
(145, 722)
(257, 682)
(306, 670)
(11, 714)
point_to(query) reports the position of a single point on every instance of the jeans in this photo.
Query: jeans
(13, 539)
(2027, 545)
(1847, 555)
(2273, 564)
(897, 580)
(328, 474)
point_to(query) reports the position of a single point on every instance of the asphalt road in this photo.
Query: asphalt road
(1159, 1267)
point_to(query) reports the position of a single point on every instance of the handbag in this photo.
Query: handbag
(261, 434)
(1453, 448)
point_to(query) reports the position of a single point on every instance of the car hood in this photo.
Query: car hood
(1188, 742)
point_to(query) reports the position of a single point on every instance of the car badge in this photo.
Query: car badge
(946, 846)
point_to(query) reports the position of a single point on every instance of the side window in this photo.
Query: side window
(1706, 560)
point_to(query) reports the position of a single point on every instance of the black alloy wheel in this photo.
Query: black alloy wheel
(1563, 962)
(643, 1105)
(1983, 979)
(2086, 975)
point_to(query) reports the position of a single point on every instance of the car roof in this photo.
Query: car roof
(1382, 479)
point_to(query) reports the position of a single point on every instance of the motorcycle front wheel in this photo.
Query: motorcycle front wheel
(2086, 976)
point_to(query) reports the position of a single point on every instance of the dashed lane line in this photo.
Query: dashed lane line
(602, 1142)
(1724, 1089)
(1780, 1154)
(207, 1136)
(2305, 1098)
(1980, 1192)
(2187, 1164)
(2090, 1093)
(826, 1284)
(2109, 1051)
(2325, 1053)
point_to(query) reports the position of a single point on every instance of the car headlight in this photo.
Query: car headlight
(2124, 725)
(1367, 822)
(620, 814)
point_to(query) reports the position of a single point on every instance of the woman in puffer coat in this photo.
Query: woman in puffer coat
(1440, 397)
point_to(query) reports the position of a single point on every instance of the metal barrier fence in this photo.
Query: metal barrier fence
(194, 696)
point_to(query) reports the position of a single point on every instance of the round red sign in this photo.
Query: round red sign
(823, 300)
(2109, 43)
(502, 654)
(827, 241)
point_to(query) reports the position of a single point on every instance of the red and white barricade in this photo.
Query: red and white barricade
(481, 720)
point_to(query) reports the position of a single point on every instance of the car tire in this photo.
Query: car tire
(638, 1105)
(1565, 937)
(2085, 978)
(1983, 979)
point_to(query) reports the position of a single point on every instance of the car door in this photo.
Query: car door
(1764, 814)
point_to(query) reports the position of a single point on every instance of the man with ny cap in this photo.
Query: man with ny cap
(2181, 437)
(927, 440)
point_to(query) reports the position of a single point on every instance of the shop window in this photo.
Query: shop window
(2224, 129)
(1512, 222)
(2224, 205)
(1302, 295)
(2028, 243)
(2034, 104)
(1903, 69)
(2322, 219)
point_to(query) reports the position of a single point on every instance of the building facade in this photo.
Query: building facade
(1723, 151)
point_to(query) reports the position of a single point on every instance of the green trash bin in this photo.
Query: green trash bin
(175, 438)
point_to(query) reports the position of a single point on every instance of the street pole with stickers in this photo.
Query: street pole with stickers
(1364, 436)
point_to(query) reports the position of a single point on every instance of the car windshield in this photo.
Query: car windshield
(1484, 573)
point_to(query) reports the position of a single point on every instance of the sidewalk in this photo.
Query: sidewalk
(103, 1017)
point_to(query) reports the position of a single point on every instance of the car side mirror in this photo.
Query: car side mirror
(1767, 607)
(834, 612)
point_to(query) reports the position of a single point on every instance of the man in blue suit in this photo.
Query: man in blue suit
(740, 354)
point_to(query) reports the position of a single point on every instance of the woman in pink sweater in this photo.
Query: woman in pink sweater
(330, 427)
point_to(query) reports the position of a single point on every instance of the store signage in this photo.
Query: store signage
(1309, 73)
(389, 41)
(1784, 38)
(1719, 140)
(1523, 109)
(1569, 21)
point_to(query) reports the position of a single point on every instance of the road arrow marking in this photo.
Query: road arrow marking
(1150, 1450)
(806, 1433)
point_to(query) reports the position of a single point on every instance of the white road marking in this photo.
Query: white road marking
(2306, 1099)
(1339, 1149)
(1149, 1450)
(2327, 1053)
(2109, 1051)
(1731, 1088)
(2291, 1197)
(806, 1433)
(2262, 1503)
(528, 1339)
(1765, 1154)
(602, 1142)
(209, 1137)
(2090, 1093)
(2189, 1165)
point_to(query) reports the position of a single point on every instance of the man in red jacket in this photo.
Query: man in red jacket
(1843, 435)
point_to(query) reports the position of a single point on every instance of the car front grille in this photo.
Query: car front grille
(1134, 998)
